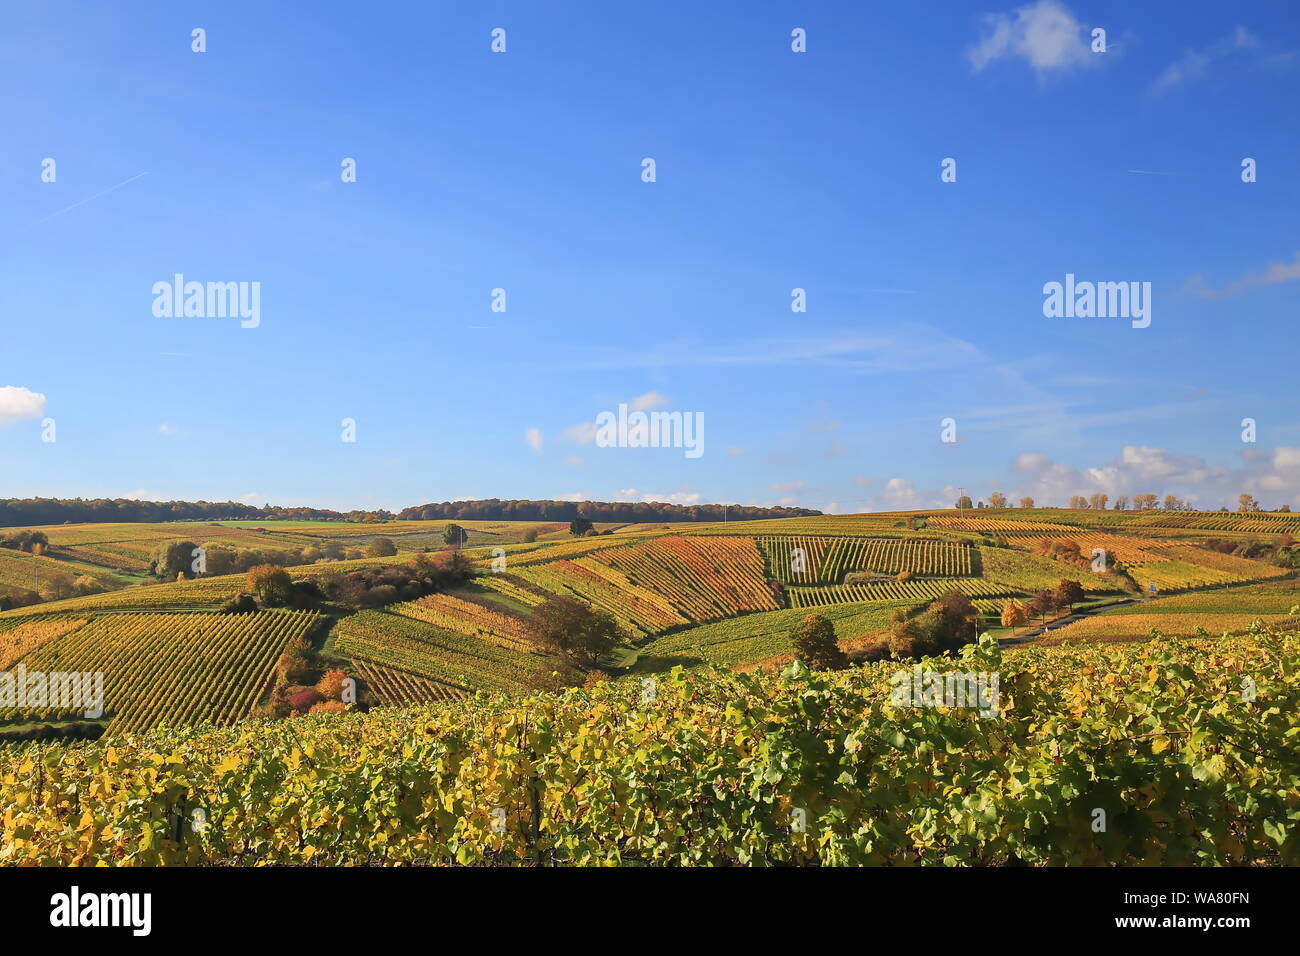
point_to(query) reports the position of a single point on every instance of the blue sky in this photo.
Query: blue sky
(775, 170)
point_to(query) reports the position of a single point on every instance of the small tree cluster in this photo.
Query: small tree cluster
(375, 587)
(569, 627)
(946, 625)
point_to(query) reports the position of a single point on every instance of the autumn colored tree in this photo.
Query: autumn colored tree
(815, 644)
(330, 686)
(997, 500)
(1068, 593)
(1026, 502)
(569, 627)
(1042, 604)
(271, 584)
(172, 558)
(1014, 614)
(1246, 502)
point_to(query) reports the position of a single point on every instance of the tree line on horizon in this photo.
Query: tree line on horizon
(27, 512)
(1246, 503)
(631, 512)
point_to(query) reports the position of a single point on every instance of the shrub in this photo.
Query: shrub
(329, 707)
(380, 595)
(870, 654)
(902, 644)
(240, 604)
(297, 664)
(330, 686)
(815, 645)
(304, 595)
(593, 678)
(381, 548)
(301, 699)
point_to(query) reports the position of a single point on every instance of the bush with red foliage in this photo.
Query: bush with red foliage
(301, 699)
(329, 707)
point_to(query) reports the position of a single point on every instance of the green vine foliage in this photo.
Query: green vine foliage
(1161, 753)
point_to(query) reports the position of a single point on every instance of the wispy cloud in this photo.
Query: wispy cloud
(1275, 273)
(909, 349)
(1194, 63)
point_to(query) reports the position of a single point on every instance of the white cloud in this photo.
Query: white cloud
(1044, 34)
(17, 403)
(252, 498)
(583, 434)
(648, 401)
(575, 496)
(677, 498)
(1276, 272)
(1140, 469)
(144, 494)
(168, 430)
(1030, 461)
(534, 438)
(1194, 63)
(786, 486)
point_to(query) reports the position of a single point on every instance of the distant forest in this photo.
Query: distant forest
(23, 512)
(621, 511)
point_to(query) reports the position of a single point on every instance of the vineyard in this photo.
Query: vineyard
(393, 687)
(1277, 597)
(453, 613)
(439, 654)
(28, 636)
(703, 579)
(170, 668)
(823, 560)
(714, 768)
(1127, 627)
(1028, 572)
(914, 592)
(659, 583)
(746, 641)
(639, 611)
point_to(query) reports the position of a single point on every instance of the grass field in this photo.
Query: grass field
(748, 640)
